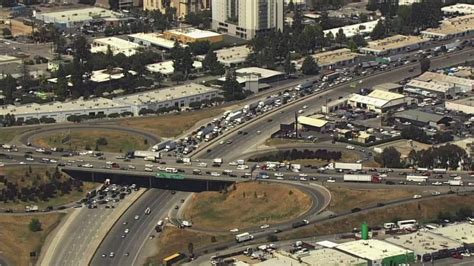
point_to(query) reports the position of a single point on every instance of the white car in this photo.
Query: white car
(303, 179)
(137, 217)
(303, 175)
(437, 183)
(148, 169)
(435, 193)
(416, 196)
(305, 106)
(30, 159)
(53, 161)
(131, 167)
(278, 174)
(202, 164)
(215, 174)
(126, 231)
(233, 163)
(349, 147)
(331, 181)
(280, 178)
(235, 230)
(265, 226)
(300, 111)
(149, 165)
(87, 165)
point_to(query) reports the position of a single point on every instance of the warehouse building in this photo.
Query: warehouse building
(378, 101)
(332, 257)
(116, 45)
(233, 56)
(432, 89)
(426, 245)
(336, 58)
(463, 9)
(462, 232)
(152, 39)
(354, 29)
(422, 119)
(75, 17)
(60, 111)
(459, 84)
(180, 96)
(464, 105)
(378, 252)
(314, 124)
(389, 86)
(167, 68)
(394, 45)
(191, 35)
(452, 28)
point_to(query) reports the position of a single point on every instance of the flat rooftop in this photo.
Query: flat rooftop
(430, 86)
(394, 42)
(462, 232)
(468, 101)
(249, 73)
(103, 76)
(116, 42)
(442, 78)
(452, 26)
(354, 29)
(335, 56)
(387, 86)
(424, 242)
(155, 39)
(372, 249)
(167, 94)
(194, 33)
(332, 257)
(379, 103)
(233, 55)
(77, 15)
(459, 8)
(386, 95)
(167, 67)
(56, 107)
(310, 121)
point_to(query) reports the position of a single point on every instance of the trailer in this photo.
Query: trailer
(243, 237)
(362, 178)
(201, 133)
(348, 166)
(217, 162)
(170, 146)
(234, 115)
(161, 145)
(144, 154)
(455, 182)
(331, 76)
(417, 178)
(439, 170)
(422, 169)
(304, 86)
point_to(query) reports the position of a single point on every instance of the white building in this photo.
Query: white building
(394, 45)
(153, 39)
(75, 17)
(378, 101)
(116, 45)
(233, 56)
(458, 84)
(354, 29)
(332, 59)
(166, 68)
(462, 232)
(407, 2)
(246, 18)
(180, 96)
(465, 105)
(60, 111)
(417, 86)
(452, 28)
(463, 9)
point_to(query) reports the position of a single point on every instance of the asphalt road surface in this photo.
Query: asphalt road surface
(127, 248)
(260, 129)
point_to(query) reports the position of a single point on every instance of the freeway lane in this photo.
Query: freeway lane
(127, 249)
(251, 141)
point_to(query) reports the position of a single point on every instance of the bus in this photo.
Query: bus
(407, 224)
(170, 260)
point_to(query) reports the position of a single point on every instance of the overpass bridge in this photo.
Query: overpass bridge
(167, 181)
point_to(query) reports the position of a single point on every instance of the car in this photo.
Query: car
(303, 175)
(259, 132)
(416, 196)
(331, 181)
(137, 217)
(126, 231)
(235, 230)
(111, 254)
(126, 254)
(265, 226)
(148, 169)
(305, 106)
(131, 167)
(229, 141)
(123, 236)
(300, 111)
(29, 159)
(278, 174)
(104, 255)
(215, 174)
(176, 207)
(435, 193)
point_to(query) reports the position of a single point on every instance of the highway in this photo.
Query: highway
(127, 247)
(259, 129)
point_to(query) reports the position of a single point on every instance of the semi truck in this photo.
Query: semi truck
(362, 178)
(348, 166)
(455, 182)
(160, 146)
(439, 170)
(243, 237)
(234, 115)
(170, 146)
(304, 86)
(145, 154)
(217, 162)
(201, 133)
(331, 76)
(417, 178)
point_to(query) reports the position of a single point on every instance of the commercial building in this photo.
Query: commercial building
(389, 86)
(75, 17)
(246, 18)
(378, 101)
(233, 56)
(256, 78)
(335, 58)
(183, 7)
(116, 45)
(166, 68)
(332, 257)
(191, 35)
(378, 252)
(407, 2)
(421, 119)
(452, 28)
(314, 124)
(394, 45)
(462, 232)
(427, 88)
(354, 29)
(464, 105)
(463, 9)
(460, 84)
(180, 96)
(426, 245)
(152, 39)
(60, 111)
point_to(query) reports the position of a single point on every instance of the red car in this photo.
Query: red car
(457, 256)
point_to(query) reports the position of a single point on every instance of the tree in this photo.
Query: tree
(81, 49)
(288, 65)
(297, 24)
(199, 19)
(291, 6)
(352, 45)
(232, 88)
(61, 87)
(309, 67)
(191, 248)
(114, 4)
(390, 157)
(8, 85)
(379, 31)
(35, 225)
(6, 32)
(414, 133)
(212, 65)
(425, 64)
(359, 40)
(340, 37)
(158, 78)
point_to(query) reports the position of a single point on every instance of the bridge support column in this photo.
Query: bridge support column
(149, 182)
(93, 177)
(207, 185)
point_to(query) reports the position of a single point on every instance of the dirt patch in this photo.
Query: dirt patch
(423, 211)
(347, 198)
(7, 134)
(405, 146)
(80, 139)
(249, 204)
(35, 176)
(17, 241)
(174, 240)
(171, 125)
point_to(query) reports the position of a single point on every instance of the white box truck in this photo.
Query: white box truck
(217, 162)
(243, 237)
(348, 166)
(455, 182)
(417, 178)
(362, 178)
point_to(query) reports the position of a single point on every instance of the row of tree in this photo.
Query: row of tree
(294, 154)
(418, 134)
